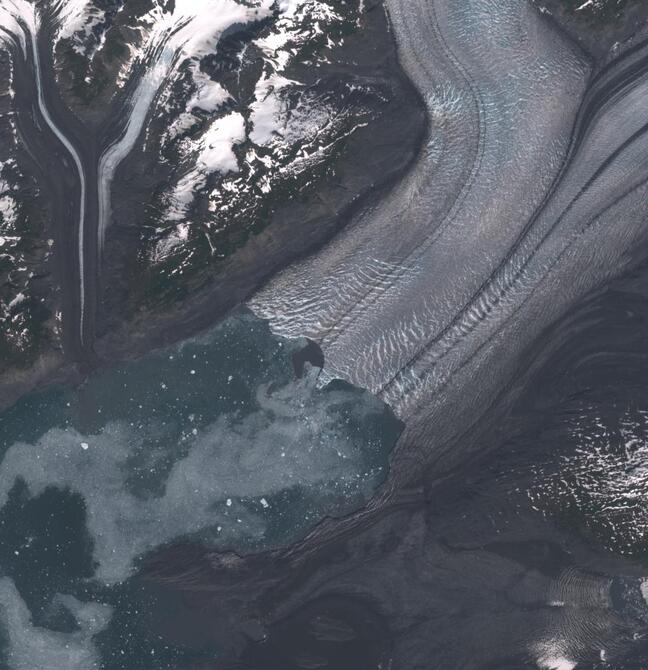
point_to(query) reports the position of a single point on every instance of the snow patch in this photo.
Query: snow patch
(552, 655)
(267, 108)
(77, 22)
(299, 22)
(209, 96)
(215, 153)
(172, 242)
(8, 211)
(194, 27)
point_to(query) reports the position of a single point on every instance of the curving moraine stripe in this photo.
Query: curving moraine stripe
(376, 285)
(82, 181)
(404, 271)
(20, 23)
(172, 36)
(607, 94)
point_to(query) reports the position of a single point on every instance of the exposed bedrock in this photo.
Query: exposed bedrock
(169, 272)
(443, 586)
(527, 197)
(210, 158)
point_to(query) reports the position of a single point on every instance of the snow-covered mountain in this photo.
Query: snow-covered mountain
(206, 135)
(234, 129)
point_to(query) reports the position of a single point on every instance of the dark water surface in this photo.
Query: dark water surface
(215, 441)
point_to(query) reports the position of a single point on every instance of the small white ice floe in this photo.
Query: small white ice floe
(228, 502)
(85, 446)
(264, 503)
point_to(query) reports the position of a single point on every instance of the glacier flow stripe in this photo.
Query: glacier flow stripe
(113, 156)
(82, 180)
